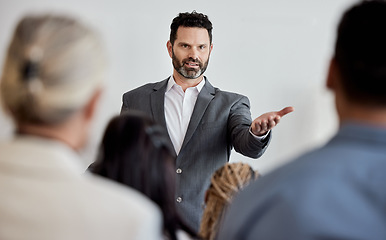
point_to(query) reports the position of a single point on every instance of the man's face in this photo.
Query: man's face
(190, 52)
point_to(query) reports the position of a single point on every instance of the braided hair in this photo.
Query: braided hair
(225, 183)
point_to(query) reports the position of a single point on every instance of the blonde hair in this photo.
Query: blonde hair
(53, 67)
(225, 183)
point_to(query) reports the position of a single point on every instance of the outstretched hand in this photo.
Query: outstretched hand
(261, 125)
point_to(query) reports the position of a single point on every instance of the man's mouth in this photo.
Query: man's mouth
(192, 64)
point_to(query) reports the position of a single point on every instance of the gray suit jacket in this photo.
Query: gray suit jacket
(220, 121)
(334, 192)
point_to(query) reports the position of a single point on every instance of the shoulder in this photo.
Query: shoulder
(125, 210)
(146, 88)
(311, 191)
(226, 95)
(271, 199)
(287, 184)
(143, 88)
(311, 171)
(322, 173)
(119, 198)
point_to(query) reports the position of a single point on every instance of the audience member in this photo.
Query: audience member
(51, 83)
(135, 152)
(225, 183)
(335, 191)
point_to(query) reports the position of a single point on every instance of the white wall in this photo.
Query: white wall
(274, 51)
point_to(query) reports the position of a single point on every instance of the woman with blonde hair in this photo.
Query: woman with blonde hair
(225, 183)
(51, 83)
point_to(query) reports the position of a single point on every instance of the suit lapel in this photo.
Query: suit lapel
(157, 99)
(204, 98)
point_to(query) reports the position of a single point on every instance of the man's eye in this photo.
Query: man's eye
(202, 47)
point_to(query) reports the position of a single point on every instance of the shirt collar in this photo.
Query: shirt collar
(172, 82)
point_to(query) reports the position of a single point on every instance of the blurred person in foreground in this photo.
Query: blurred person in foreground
(336, 191)
(225, 183)
(135, 152)
(51, 83)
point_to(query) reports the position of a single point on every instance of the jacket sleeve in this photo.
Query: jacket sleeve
(239, 123)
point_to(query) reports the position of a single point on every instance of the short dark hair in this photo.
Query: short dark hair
(193, 19)
(360, 52)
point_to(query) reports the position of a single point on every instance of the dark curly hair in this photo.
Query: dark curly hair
(193, 19)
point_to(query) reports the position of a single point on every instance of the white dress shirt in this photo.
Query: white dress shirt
(179, 107)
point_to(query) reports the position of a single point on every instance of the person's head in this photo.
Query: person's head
(190, 20)
(136, 152)
(54, 68)
(358, 68)
(225, 183)
(190, 44)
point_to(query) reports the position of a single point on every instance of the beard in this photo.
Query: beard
(187, 72)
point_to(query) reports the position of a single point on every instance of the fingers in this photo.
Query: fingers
(285, 111)
(267, 121)
(256, 128)
(259, 128)
(272, 122)
(264, 127)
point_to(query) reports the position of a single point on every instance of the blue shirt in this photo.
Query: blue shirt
(334, 192)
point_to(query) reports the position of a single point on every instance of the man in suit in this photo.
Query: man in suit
(203, 122)
(336, 191)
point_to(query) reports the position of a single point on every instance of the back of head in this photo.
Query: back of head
(53, 66)
(192, 19)
(135, 151)
(225, 183)
(360, 52)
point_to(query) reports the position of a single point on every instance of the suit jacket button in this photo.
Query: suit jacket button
(179, 170)
(179, 199)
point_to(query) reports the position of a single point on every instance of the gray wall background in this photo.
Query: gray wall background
(276, 52)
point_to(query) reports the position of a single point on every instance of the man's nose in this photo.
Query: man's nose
(193, 53)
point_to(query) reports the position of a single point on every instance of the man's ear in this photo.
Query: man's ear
(91, 106)
(332, 75)
(170, 48)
